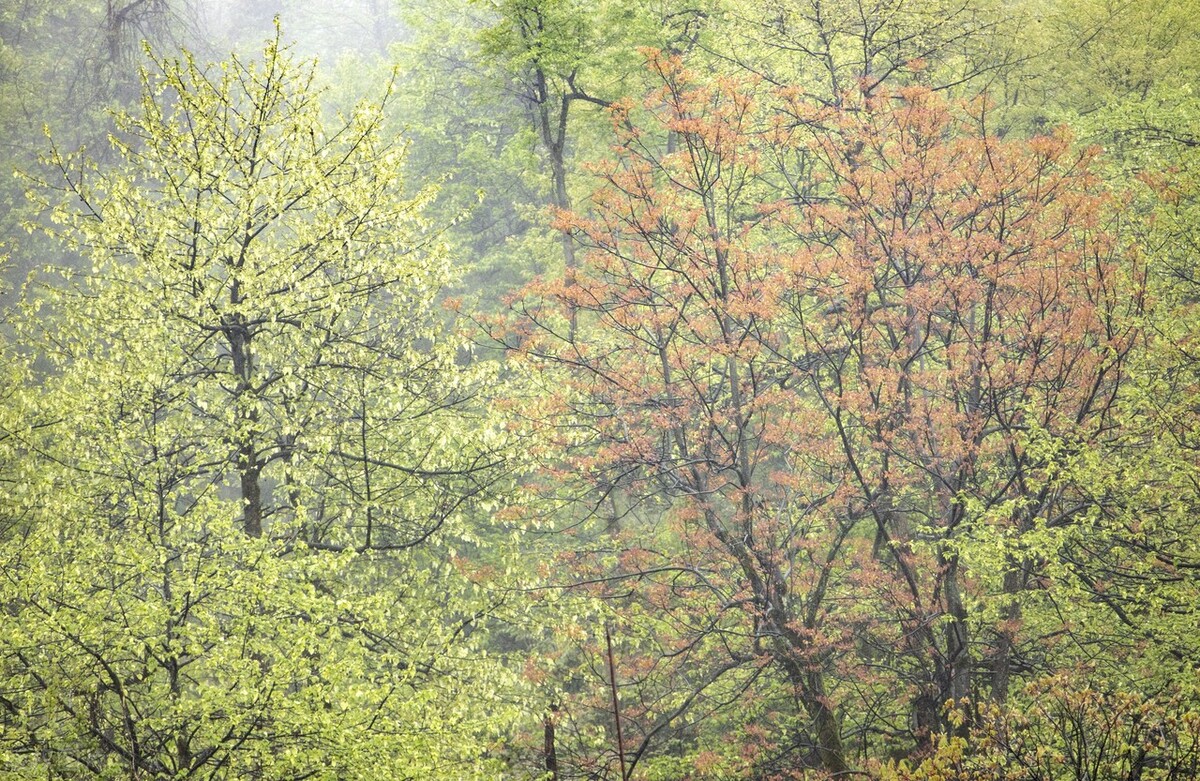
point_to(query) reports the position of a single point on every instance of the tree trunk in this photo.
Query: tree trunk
(550, 749)
(1001, 661)
(249, 467)
(810, 689)
(249, 471)
(957, 686)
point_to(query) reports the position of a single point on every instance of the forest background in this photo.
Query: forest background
(545, 389)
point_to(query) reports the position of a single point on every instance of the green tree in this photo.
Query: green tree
(830, 49)
(504, 99)
(1125, 575)
(255, 454)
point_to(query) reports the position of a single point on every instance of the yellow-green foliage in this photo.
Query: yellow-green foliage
(228, 543)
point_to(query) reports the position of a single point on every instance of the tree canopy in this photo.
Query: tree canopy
(644, 391)
(252, 417)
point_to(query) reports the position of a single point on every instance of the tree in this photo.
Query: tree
(830, 47)
(1125, 576)
(505, 98)
(62, 65)
(987, 331)
(824, 333)
(551, 49)
(1070, 730)
(258, 449)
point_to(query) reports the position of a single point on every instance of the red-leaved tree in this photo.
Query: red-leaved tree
(826, 338)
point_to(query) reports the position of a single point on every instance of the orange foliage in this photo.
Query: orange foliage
(823, 333)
